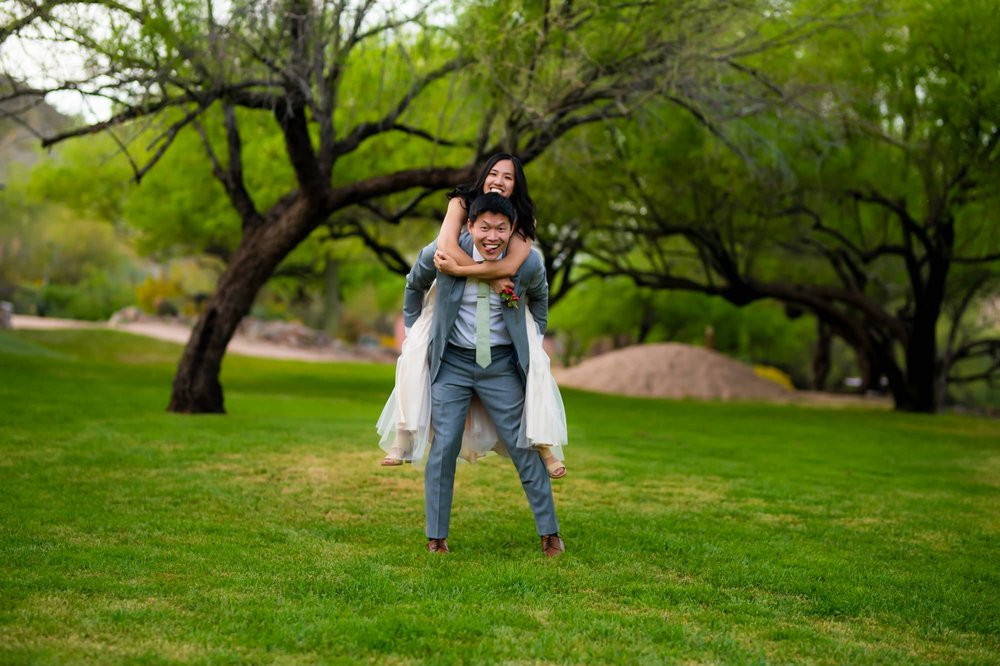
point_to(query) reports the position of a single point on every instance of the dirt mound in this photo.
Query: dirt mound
(671, 370)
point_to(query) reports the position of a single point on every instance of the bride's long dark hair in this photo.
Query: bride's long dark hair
(524, 206)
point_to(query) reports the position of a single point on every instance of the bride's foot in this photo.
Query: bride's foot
(556, 468)
(394, 458)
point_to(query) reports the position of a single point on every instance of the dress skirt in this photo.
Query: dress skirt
(404, 427)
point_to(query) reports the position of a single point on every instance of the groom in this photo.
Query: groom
(479, 345)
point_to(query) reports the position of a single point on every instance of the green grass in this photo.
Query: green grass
(696, 532)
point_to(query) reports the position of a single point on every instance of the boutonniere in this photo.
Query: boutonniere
(509, 297)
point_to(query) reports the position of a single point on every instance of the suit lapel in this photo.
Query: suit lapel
(465, 241)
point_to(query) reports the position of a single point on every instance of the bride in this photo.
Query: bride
(404, 426)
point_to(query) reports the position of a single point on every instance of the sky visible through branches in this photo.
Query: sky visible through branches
(37, 57)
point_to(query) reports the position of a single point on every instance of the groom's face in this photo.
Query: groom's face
(491, 233)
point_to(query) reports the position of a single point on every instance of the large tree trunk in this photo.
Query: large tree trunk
(332, 306)
(821, 355)
(265, 243)
(922, 365)
(196, 387)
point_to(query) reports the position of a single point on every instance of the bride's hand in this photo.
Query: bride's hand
(446, 264)
(502, 283)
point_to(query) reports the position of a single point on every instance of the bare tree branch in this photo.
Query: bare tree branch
(165, 140)
(233, 185)
(367, 130)
(386, 254)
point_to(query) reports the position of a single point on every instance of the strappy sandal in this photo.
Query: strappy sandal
(393, 460)
(556, 467)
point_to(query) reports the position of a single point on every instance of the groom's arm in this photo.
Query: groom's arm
(537, 290)
(418, 281)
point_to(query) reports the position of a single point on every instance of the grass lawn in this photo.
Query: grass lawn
(695, 532)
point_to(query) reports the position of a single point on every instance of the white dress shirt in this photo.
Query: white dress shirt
(464, 332)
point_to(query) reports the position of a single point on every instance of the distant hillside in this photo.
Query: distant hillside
(19, 148)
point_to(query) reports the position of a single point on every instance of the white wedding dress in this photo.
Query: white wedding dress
(404, 427)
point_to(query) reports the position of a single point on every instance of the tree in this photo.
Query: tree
(874, 209)
(375, 109)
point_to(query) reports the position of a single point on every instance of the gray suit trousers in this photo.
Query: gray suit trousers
(501, 390)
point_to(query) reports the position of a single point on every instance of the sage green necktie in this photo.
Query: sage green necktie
(483, 324)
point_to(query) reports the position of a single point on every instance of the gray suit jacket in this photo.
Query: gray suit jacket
(529, 283)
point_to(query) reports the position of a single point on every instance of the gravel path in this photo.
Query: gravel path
(179, 333)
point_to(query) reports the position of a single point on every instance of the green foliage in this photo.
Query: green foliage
(58, 262)
(178, 209)
(96, 297)
(334, 286)
(878, 199)
(696, 533)
(900, 98)
(89, 177)
(615, 310)
(376, 76)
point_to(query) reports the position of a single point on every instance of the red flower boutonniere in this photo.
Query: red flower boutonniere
(509, 297)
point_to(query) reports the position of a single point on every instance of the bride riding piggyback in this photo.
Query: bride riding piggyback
(473, 377)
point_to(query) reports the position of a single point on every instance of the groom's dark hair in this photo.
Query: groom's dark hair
(491, 202)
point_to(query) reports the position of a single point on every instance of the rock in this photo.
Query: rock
(127, 315)
(290, 334)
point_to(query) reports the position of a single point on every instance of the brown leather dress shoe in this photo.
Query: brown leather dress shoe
(552, 545)
(437, 546)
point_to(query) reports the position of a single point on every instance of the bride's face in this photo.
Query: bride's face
(500, 179)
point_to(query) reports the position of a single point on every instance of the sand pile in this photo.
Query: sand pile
(670, 370)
